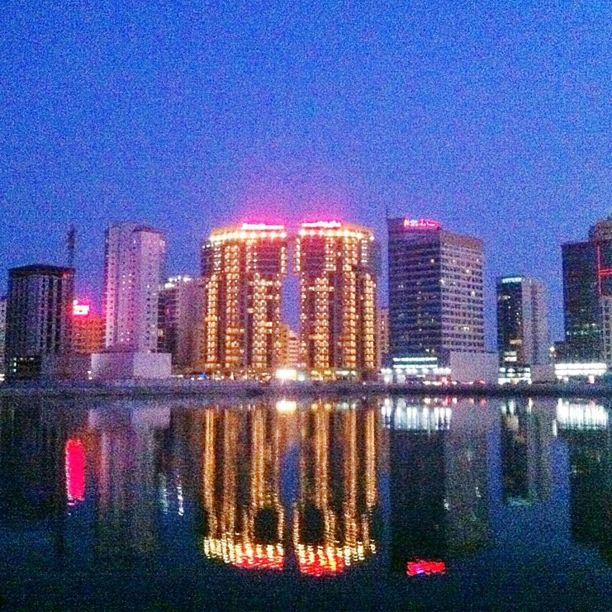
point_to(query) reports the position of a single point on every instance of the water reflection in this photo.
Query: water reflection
(318, 488)
(438, 486)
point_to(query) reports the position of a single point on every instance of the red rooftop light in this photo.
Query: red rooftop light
(422, 224)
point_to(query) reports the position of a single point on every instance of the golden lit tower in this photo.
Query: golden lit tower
(337, 263)
(243, 268)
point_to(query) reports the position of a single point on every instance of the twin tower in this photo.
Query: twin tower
(243, 270)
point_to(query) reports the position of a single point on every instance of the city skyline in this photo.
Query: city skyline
(486, 117)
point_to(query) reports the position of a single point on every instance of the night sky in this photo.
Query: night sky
(493, 118)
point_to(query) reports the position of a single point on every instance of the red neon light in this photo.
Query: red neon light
(75, 471)
(422, 224)
(80, 310)
(261, 227)
(420, 567)
(322, 565)
(322, 225)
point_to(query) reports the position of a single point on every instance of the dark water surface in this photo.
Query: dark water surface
(374, 504)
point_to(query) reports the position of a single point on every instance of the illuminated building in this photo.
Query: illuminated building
(289, 347)
(383, 335)
(243, 518)
(243, 269)
(587, 282)
(522, 327)
(87, 329)
(132, 266)
(333, 517)
(2, 334)
(38, 318)
(337, 266)
(435, 289)
(180, 311)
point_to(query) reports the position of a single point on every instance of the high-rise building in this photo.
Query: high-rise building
(38, 317)
(383, 335)
(2, 334)
(87, 329)
(179, 319)
(242, 268)
(290, 347)
(133, 262)
(587, 282)
(337, 265)
(435, 289)
(522, 322)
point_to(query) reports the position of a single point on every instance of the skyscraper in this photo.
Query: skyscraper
(435, 289)
(337, 265)
(133, 262)
(180, 309)
(38, 318)
(522, 322)
(243, 268)
(2, 334)
(587, 283)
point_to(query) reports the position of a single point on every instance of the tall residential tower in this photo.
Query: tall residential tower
(587, 294)
(38, 318)
(243, 268)
(522, 322)
(337, 265)
(133, 262)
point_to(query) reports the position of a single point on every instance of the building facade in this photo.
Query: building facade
(87, 329)
(436, 297)
(133, 262)
(522, 322)
(242, 273)
(2, 335)
(587, 282)
(38, 318)
(179, 319)
(337, 264)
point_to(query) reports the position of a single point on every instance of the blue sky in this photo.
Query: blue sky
(493, 117)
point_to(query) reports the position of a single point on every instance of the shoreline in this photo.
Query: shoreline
(252, 389)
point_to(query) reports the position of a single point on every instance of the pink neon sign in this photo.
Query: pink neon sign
(261, 226)
(322, 225)
(422, 224)
(80, 310)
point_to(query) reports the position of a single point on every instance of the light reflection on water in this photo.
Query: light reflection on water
(481, 497)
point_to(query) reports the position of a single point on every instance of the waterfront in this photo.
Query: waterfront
(362, 503)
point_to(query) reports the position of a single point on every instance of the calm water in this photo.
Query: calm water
(380, 503)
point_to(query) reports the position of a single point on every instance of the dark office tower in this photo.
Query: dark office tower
(435, 289)
(38, 318)
(587, 287)
(522, 322)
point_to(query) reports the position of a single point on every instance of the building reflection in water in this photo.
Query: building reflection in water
(334, 513)
(526, 435)
(438, 469)
(243, 518)
(244, 521)
(585, 427)
(124, 444)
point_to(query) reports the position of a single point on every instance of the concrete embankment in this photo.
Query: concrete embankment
(242, 390)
